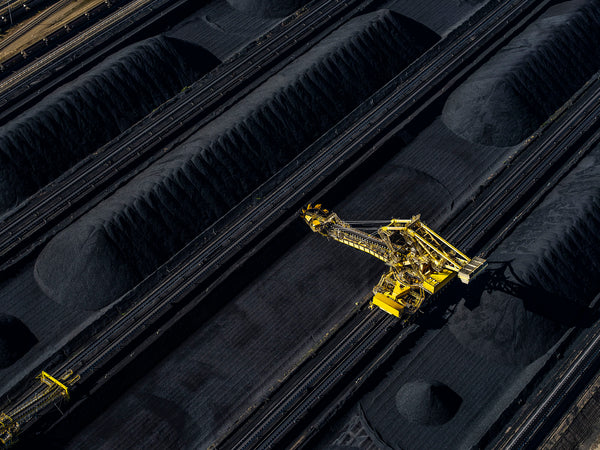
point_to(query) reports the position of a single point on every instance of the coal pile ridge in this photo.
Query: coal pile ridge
(15, 340)
(267, 8)
(511, 95)
(156, 214)
(75, 120)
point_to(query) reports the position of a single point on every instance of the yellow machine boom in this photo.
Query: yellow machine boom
(420, 260)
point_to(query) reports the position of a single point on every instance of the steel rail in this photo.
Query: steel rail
(578, 368)
(32, 24)
(286, 409)
(14, 5)
(28, 90)
(77, 40)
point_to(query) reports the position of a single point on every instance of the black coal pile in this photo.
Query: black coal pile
(142, 225)
(75, 120)
(502, 330)
(15, 340)
(267, 8)
(510, 96)
(542, 277)
(427, 402)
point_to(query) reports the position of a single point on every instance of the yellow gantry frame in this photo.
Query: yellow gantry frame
(23, 411)
(49, 380)
(424, 264)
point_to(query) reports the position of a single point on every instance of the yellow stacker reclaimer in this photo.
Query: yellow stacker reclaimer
(420, 260)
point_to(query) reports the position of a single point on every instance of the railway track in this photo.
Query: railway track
(32, 23)
(448, 66)
(12, 12)
(530, 428)
(372, 327)
(25, 88)
(44, 62)
(102, 173)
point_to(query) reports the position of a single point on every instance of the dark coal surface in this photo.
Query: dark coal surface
(15, 340)
(546, 271)
(75, 120)
(232, 361)
(524, 83)
(484, 387)
(49, 323)
(427, 402)
(558, 245)
(129, 235)
(267, 8)
(539, 283)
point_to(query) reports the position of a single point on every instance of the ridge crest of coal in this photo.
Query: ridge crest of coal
(157, 213)
(512, 94)
(75, 120)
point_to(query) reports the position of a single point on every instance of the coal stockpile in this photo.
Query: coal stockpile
(75, 120)
(142, 225)
(542, 277)
(15, 340)
(523, 84)
(267, 8)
